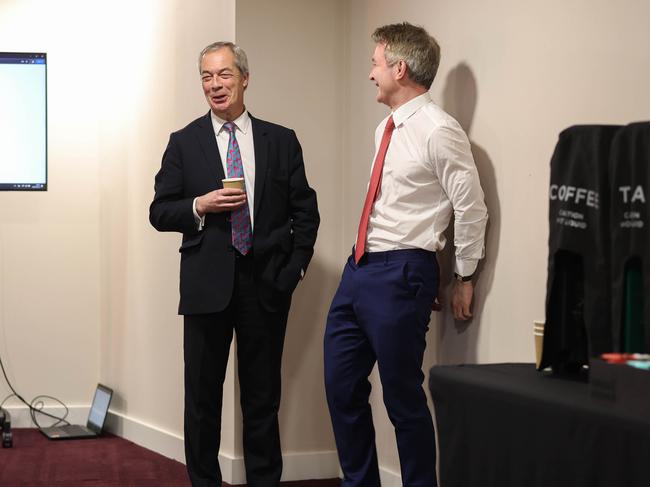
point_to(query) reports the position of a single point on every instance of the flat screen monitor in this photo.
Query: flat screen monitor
(23, 121)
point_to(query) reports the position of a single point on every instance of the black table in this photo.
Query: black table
(503, 425)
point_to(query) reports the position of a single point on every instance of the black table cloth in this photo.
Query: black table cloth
(503, 425)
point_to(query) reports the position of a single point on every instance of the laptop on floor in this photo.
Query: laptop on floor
(94, 425)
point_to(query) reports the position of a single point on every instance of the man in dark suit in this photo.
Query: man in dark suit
(242, 255)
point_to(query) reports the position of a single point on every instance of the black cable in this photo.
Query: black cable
(5, 400)
(35, 407)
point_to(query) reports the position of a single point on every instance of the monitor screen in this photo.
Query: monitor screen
(23, 121)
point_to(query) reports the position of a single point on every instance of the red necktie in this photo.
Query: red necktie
(373, 190)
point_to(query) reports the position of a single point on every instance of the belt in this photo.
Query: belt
(400, 255)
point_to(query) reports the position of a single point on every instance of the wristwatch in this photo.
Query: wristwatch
(460, 278)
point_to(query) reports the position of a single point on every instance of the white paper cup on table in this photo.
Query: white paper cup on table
(233, 183)
(538, 334)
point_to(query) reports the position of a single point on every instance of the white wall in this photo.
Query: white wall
(88, 290)
(514, 74)
(157, 92)
(295, 49)
(49, 242)
(80, 267)
(121, 78)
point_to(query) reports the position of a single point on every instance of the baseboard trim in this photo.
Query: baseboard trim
(20, 417)
(146, 435)
(388, 478)
(310, 465)
(297, 465)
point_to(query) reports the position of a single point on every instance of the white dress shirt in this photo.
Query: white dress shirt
(244, 135)
(429, 174)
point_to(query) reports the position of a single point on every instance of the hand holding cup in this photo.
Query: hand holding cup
(231, 197)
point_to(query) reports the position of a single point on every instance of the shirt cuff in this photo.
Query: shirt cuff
(200, 220)
(465, 267)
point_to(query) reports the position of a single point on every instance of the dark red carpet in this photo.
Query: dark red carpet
(35, 461)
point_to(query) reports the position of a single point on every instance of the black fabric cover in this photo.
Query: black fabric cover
(629, 170)
(578, 287)
(507, 425)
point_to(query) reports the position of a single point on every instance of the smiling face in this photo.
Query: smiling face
(223, 84)
(384, 76)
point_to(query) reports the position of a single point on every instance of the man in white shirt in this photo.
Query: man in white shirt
(422, 174)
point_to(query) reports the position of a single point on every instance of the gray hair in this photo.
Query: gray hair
(241, 61)
(413, 45)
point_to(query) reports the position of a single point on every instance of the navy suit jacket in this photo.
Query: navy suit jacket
(285, 215)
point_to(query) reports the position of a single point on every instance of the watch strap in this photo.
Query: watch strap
(460, 278)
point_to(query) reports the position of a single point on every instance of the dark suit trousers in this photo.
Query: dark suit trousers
(380, 313)
(260, 339)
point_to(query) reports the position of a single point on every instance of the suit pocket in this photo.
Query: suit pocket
(191, 242)
(279, 183)
(420, 278)
(286, 281)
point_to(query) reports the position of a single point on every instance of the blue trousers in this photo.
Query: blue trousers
(380, 313)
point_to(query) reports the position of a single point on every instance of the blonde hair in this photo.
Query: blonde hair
(413, 45)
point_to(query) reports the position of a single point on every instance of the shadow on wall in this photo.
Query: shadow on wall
(456, 342)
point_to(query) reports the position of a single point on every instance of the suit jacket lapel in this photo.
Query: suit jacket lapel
(261, 146)
(208, 143)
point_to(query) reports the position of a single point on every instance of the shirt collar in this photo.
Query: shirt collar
(243, 122)
(410, 107)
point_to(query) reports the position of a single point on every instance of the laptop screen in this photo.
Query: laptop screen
(99, 408)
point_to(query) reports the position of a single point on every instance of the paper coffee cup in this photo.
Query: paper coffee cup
(233, 183)
(538, 333)
(539, 346)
